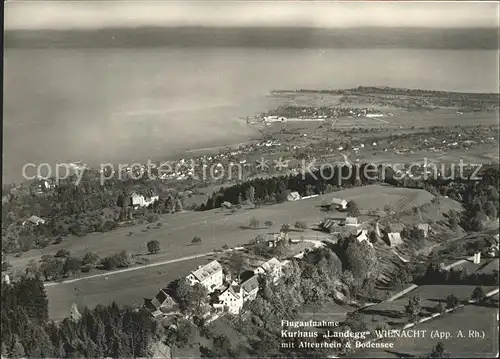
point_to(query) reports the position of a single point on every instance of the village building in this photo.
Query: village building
(339, 203)
(425, 228)
(272, 268)
(293, 196)
(137, 200)
(210, 276)
(351, 222)
(250, 288)
(394, 239)
(362, 236)
(34, 220)
(231, 299)
(162, 305)
(329, 224)
(277, 238)
(226, 205)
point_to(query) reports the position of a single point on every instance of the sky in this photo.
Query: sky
(101, 14)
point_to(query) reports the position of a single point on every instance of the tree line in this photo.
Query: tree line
(106, 331)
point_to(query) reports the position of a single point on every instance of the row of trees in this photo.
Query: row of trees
(434, 275)
(414, 307)
(63, 264)
(276, 189)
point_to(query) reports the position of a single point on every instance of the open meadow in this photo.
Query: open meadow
(469, 318)
(216, 228)
(128, 288)
(221, 227)
(393, 313)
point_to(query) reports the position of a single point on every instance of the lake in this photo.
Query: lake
(127, 105)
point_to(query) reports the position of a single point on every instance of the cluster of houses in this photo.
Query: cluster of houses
(344, 224)
(230, 295)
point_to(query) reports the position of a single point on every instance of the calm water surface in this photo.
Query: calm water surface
(124, 105)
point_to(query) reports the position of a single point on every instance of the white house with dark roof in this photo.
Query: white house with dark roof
(232, 298)
(250, 288)
(210, 276)
(272, 268)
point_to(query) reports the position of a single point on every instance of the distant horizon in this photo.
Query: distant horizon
(42, 15)
(256, 37)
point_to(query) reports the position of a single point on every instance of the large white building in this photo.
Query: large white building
(210, 276)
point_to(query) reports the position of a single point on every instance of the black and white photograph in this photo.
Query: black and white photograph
(250, 179)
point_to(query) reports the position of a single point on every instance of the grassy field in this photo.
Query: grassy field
(129, 288)
(393, 313)
(472, 317)
(487, 266)
(219, 227)
(216, 228)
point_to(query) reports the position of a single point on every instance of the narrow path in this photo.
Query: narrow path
(107, 274)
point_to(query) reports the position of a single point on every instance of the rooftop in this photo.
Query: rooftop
(207, 271)
(251, 284)
(268, 266)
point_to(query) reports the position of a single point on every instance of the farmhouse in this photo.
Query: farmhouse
(272, 268)
(232, 299)
(277, 238)
(250, 288)
(331, 222)
(394, 239)
(162, 305)
(137, 200)
(339, 203)
(425, 228)
(351, 222)
(35, 220)
(293, 196)
(210, 276)
(362, 236)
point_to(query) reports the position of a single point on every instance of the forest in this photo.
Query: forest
(105, 331)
